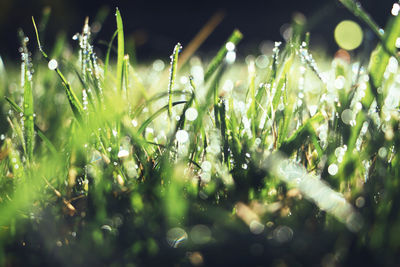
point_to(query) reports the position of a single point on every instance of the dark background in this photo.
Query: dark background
(157, 26)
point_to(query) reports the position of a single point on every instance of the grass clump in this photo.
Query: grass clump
(224, 163)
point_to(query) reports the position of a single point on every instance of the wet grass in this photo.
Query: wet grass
(226, 162)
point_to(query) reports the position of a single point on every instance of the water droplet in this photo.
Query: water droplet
(244, 166)
(191, 114)
(333, 169)
(283, 234)
(230, 57)
(53, 64)
(256, 227)
(230, 46)
(2, 137)
(382, 152)
(182, 136)
(262, 61)
(158, 65)
(339, 82)
(123, 153)
(184, 80)
(134, 123)
(106, 228)
(176, 236)
(347, 116)
(395, 9)
(360, 202)
(76, 36)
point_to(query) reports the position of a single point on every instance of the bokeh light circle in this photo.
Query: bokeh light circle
(348, 35)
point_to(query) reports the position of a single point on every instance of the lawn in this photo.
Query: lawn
(286, 158)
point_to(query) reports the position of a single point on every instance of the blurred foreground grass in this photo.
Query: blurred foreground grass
(280, 162)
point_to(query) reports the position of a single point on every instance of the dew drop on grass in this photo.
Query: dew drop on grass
(262, 61)
(256, 227)
(397, 42)
(182, 136)
(230, 57)
(158, 65)
(333, 169)
(395, 9)
(339, 82)
(230, 46)
(123, 153)
(53, 64)
(176, 236)
(134, 123)
(347, 116)
(2, 137)
(382, 152)
(191, 114)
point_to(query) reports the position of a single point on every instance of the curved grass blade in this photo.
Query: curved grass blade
(75, 104)
(26, 83)
(235, 38)
(380, 57)
(172, 75)
(107, 59)
(121, 50)
(300, 135)
(156, 114)
(358, 11)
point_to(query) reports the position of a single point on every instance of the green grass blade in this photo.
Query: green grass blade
(26, 83)
(14, 105)
(156, 114)
(300, 135)
(172, 75)
(74, 102)
(28, 116)
(380, 57)
(121, 50)
(19, 110)
(107, 59)
(235, 38)
(358, 11)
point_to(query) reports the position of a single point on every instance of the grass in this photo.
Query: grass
(221, 164)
